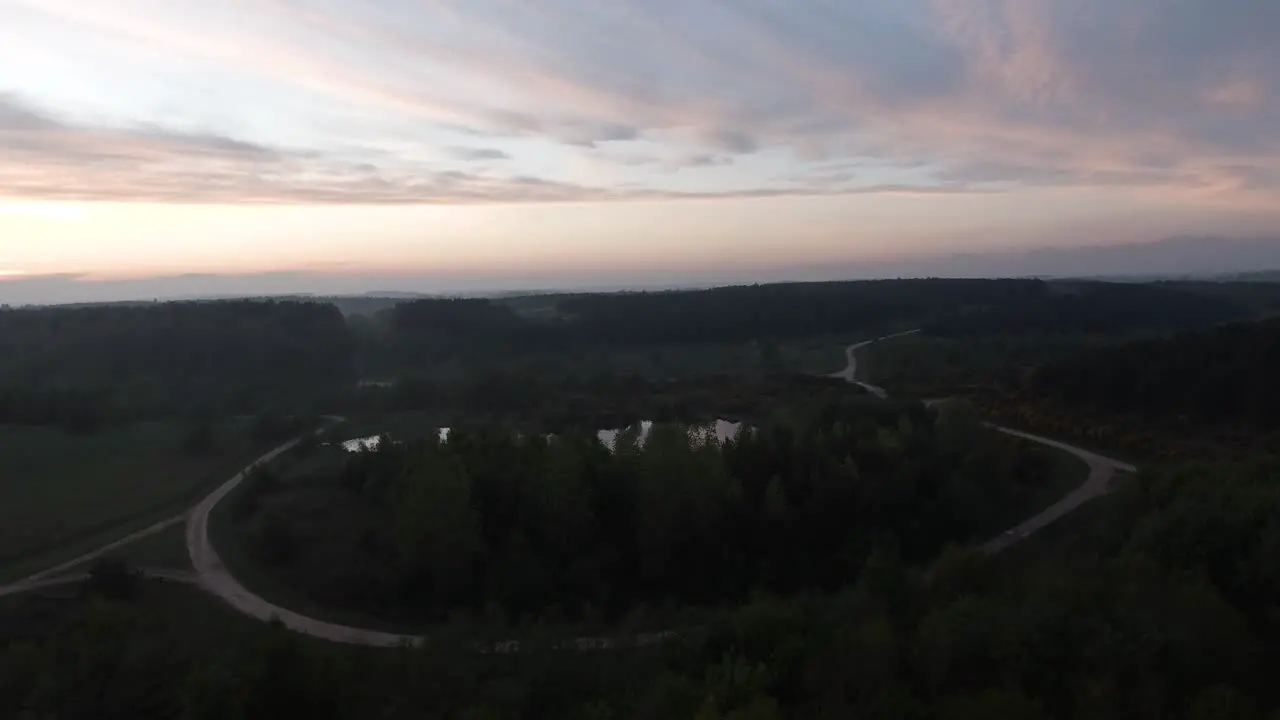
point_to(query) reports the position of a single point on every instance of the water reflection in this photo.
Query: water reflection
(721, 430)
(372, 442)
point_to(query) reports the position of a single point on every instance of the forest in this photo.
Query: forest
(489, 330)
(1195, 395)
(529, 523)
(1226, 373)
(553, 404)
(1091, 309)
(59, 365)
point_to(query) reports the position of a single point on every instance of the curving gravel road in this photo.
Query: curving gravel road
(215, 578)
(57, 574)
(851, 364)
(1101, 468)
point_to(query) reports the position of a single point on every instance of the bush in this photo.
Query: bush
(274, 541)
(113, 579)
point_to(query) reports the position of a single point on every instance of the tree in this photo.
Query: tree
(112, 578)
(273, 539)
(436, 529)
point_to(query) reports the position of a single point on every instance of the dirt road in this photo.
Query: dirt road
(851, 364)
(215, 578)
(1101, 470)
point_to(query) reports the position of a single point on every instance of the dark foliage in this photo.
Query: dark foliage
(591, 401)
(112, 578)
(74, 410)
(527, 523)
(74, 366)
(1222, 374)
(449, 328)
(1092, 308)
(787, 310)
(1160, 604)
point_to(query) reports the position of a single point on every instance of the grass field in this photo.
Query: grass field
(33, 615)
(166, 549)
(64, 494)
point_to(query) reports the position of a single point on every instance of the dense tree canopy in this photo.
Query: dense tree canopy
(1226, 373)
(787, 310)
(524, 399)
(528, 522)
(1092, 308)
(435, 331)
(160, 358)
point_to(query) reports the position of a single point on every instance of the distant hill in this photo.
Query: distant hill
(1171, 258)
(1269, 276)
(398, 294)
(794, 310)
(1178, 258)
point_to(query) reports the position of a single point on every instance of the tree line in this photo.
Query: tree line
(1094, 308)
(463, 330)
(59, 364)
(1220, 374)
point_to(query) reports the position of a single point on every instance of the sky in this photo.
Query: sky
(431, 144)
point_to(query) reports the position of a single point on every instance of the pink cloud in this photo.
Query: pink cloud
(1012, 92)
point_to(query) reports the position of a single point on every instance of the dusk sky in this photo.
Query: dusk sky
(574, 140)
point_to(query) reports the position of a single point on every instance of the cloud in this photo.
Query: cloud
(592, 134)
(26, 130)
(704, 160)
(42, 157)
(732, 141)
(469, 153)
(1055, 93)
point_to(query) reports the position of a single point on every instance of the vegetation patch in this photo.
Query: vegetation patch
(166, 549)
(61, 488)
(492, 524)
